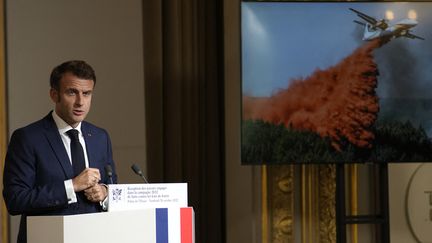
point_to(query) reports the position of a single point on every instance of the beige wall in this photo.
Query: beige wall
(105, 33)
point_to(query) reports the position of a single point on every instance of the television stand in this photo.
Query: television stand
(381, 219)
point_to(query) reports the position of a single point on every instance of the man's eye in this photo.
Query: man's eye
(70, 92)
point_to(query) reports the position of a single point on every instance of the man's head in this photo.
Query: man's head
(72, 85)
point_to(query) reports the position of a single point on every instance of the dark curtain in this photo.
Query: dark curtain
(183, 56)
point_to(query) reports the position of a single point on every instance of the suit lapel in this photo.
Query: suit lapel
(57, 146)
(90, 143)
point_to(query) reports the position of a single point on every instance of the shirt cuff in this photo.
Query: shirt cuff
(104, 203)
(70, 192)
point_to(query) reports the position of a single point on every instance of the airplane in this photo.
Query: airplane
(375, 28)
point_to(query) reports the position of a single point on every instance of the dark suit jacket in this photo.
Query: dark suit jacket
(37, 165)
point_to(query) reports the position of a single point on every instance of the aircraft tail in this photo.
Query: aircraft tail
(369, 32)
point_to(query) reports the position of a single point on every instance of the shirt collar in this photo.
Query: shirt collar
(62, 126)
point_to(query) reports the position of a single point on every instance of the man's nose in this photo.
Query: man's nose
(78, 100)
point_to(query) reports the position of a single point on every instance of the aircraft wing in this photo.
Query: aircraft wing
(374, 22)
(412, 36)
(367, 18)
(358, 22)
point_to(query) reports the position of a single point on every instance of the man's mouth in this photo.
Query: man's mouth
(78, 112)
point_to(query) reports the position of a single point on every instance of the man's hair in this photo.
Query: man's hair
(78, 68)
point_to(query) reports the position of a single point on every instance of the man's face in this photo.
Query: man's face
(73, 99)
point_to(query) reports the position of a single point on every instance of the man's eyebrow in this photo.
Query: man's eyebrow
(75, 90)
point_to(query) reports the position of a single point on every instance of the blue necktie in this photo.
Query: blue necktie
(77, 152)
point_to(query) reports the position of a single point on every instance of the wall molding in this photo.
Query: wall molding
(316, 198)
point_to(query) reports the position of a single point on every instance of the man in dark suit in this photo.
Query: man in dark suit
(49, 171)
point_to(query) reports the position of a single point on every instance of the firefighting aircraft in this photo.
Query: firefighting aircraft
(381, 29)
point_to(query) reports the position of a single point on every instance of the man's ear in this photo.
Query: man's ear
(54, 95)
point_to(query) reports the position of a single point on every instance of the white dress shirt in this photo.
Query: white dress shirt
(63, 127)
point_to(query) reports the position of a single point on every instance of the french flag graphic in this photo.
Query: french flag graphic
(175, 225)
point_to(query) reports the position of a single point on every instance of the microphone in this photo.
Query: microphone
(138, 171)
(108, 170)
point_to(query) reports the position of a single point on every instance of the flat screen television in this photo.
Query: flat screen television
(336, 82)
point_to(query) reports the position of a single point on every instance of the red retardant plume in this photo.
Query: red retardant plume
(339, 102)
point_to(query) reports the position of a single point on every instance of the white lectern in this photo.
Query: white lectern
(157, 225)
